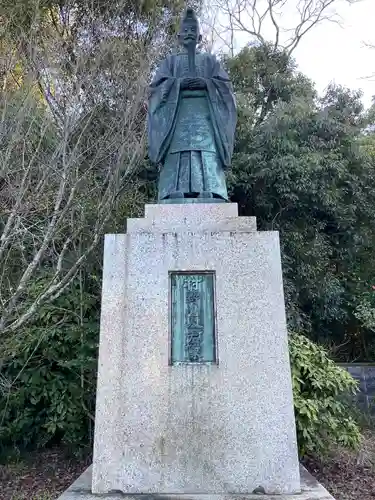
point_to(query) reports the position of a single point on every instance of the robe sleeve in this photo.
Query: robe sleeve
(223, 111)
(162, 110)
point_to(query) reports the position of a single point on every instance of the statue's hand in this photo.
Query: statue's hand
(193, 83)
(187, 83)
(199, 83)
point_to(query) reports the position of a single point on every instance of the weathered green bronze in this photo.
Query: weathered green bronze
(192, 318)
(191, 122)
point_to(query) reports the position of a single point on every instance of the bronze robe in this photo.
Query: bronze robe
(191, 132)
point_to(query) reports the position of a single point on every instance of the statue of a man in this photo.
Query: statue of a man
(191, 121)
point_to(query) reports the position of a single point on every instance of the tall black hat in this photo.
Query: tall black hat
(189, 15)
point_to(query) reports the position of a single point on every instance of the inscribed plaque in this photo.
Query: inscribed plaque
(192, 317)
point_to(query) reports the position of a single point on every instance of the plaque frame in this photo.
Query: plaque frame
(209, 277)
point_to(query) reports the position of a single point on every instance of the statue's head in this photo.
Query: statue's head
(189, 29)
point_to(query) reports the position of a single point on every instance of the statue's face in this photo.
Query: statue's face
(189, 34)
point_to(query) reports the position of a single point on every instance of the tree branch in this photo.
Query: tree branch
(249, 16)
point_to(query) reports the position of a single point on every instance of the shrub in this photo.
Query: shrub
(48, 372)
(320, 389)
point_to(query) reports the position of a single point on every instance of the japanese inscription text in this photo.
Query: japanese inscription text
(193, 317)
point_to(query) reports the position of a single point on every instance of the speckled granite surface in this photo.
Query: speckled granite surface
(194, 428)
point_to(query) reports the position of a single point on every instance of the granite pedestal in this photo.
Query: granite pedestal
(219, 428)
(214, 431)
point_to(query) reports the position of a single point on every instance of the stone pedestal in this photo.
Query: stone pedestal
(216, 428)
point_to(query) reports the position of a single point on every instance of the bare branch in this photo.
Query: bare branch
(70, 141)
(267, 20)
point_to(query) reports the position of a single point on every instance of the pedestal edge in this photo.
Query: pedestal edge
(81, 490)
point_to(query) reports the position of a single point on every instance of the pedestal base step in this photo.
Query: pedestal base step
(81, 490)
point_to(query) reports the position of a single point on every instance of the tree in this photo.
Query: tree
(68, 47)
(74, 80)
(262, 77)
(268, 21)
(300, 168)
(72, 132)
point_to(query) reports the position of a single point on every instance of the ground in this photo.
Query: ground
(348, 475)
(43, 475)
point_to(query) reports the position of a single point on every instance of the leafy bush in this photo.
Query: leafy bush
(320, 389)
(48, 372)
(365, 310)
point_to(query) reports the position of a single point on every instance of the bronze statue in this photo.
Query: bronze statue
(191, 122)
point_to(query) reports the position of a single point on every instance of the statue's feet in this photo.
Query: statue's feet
(176, 194)
(205, 194)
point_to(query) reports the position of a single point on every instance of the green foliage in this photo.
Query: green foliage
(301, 167)
(365, 310)
(48, 371)
(71, 137)
(264, 76)
(320, 389)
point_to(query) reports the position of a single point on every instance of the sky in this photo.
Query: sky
(330, 52)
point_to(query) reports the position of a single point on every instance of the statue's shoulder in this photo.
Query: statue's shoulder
(206, 59)
(207, 55)
(173, 57)
(168, 63)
